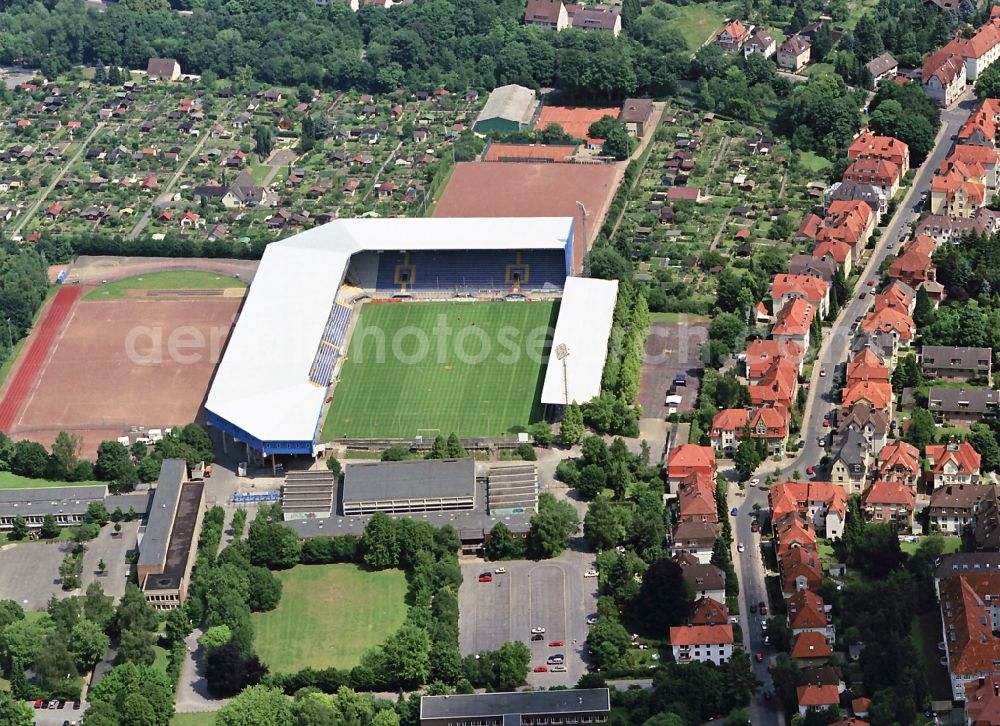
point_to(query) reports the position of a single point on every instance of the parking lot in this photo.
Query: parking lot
(59, 716)
(29, 571)
(551, 594)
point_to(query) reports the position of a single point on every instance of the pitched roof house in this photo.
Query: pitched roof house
(811, 289)
(952, 508)
(900, 461)
(887, 148)
(889, 502)
(952, 464)
(732, 36)
(163, 69)
(943, 75)
(957, 363)
(971, 644)
(821, 503)
(962, 405)
(793, 321)
(761, 43)
(793, 54)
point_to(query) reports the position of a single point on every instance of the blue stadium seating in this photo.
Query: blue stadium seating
(323, 363)
(470, 270)
(336, 325)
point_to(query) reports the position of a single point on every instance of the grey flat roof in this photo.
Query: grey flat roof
(181, 537)
(153, 551)
(49, 500)
(383, 480)
(480, 705)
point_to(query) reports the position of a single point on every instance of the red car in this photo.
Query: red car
(826, 423)
(556, 644)
(759, 657)
(762, 607)
(810, 470)
(541, 669)
(754, 527)
(871, 283)
(39, 703)
(486, 577)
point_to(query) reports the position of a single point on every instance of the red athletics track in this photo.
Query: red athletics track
(36, 355)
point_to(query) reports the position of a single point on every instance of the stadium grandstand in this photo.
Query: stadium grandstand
(580, 341)
(271, 385)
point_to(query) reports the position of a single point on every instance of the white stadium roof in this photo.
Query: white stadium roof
(262, 383)
(583, 327)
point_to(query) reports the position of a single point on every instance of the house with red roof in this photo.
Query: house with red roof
(848, 220)
(914, 266)
(800, 569)
(943, 75)
(805, 287)
(760, 356)
(981, 50)
(696, 500)
(817, 698)
(900, 462)
(821, 503)
(190, 219)
(890, 320)
(727, 429)
(888, 148)
(958, 189)
(866, 366)
(684, 194)
(707, 611)
(769, 423)
(702, 643)
(969, 613)
(898, 295)
(53, 212)
(689, 459)
(979, 157)
(952, 464)
(810, 648)
(793, 322)
(889, 502)
(876, 172)
(837, 250)
(778, 386)
(809, 227)
(877, 394)
(732, 36)
(809, 613)
(980, 129)
(982, 701)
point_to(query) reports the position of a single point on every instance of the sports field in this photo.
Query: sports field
(329, 615)
(473, 368)
(169, 280)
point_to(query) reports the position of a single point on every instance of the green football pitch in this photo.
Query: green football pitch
(474, 368)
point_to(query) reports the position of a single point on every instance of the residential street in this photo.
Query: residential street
(833, 355)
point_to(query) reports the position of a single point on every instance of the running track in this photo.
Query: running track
(36, 355)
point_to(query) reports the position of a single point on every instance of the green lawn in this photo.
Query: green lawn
(697, 22)
(329, 615)
(472, 368)
(170, 280)
(678, 318)
(813, 162)
(193, 719)
(951, 544)
(926, 632)
(13, 481)
(818, 69)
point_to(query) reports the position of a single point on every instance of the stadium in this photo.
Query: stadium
(301, 351)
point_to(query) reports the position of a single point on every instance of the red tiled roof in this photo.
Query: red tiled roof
(806, 609)
(794, 318)
(701, 635)
(868, 145)
(688, 458)
(890, 319)
(966, 457)
(876, 393)
(818, 696)
(761, 354)
(811, 288)
(730, 419)
(709, 612)
(811, 644)
(888, 493)
(899, 454)
(785, 497)
(972, 646)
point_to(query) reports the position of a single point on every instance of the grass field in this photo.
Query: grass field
(951, 545)
(813, 162)
(329, 615)
(170, 280)
(193, 719)
(926, 632)
(441, 367)
(697, 22)
(13, 481)
(818, 69)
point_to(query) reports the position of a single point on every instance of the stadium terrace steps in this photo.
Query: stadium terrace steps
(329, 347)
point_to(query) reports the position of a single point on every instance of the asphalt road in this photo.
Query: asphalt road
(833, 353)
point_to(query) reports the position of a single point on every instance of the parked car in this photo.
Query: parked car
(754, 527)
(822, 372)
(759, 657)
(740, 547)
(753, 608)
(590, 573)
(536, 631)
(541, 669)
(810, 470)
(734, 512)
(556, 644)
(555, 659)
(537, 636)
(591, 620)
(762, 606)
(500, 571)
(558, 669)
(486, 577)
(754, 482)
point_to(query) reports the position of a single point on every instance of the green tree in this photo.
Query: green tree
(542, 434)
(97, 606)
(30, 459)
(984, 441)
(97, 514)
(922, 429)
(395, 453)
(747, 457)
(405, 656)
(18, 529)
(263, 138)
(988, 83)
(379, 543)
(455, 448)
(665, 599)
(55, 669)
(603, 526)
(607, 640)
(606, 263)
(65, 456)
(88, 643)
(551, 527)
(617, 142)
(439, 449)
(136, 646)
(272, 544)
(13, 713)
(117, 693)
(50, 529)
(114, 463)
(22, 640)
(923, 311)
(502, 545)
(592, 480)
(215, 637)
(571, 429)
(513, 661)
(265, 590)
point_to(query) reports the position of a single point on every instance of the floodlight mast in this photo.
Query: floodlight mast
(562, 353)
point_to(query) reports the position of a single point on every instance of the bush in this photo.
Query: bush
(526, 452)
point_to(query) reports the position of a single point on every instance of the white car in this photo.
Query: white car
(537, 631)
(500, 571)
(592, 620)
(822, 372)
(741, 547)
(590, 573)
(557, 669)
(754, 482)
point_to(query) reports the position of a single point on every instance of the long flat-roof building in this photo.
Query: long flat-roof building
(397, 487)
(66, 504)
(512, 489)
(519, 708)
(168, 547)
(580, 342)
